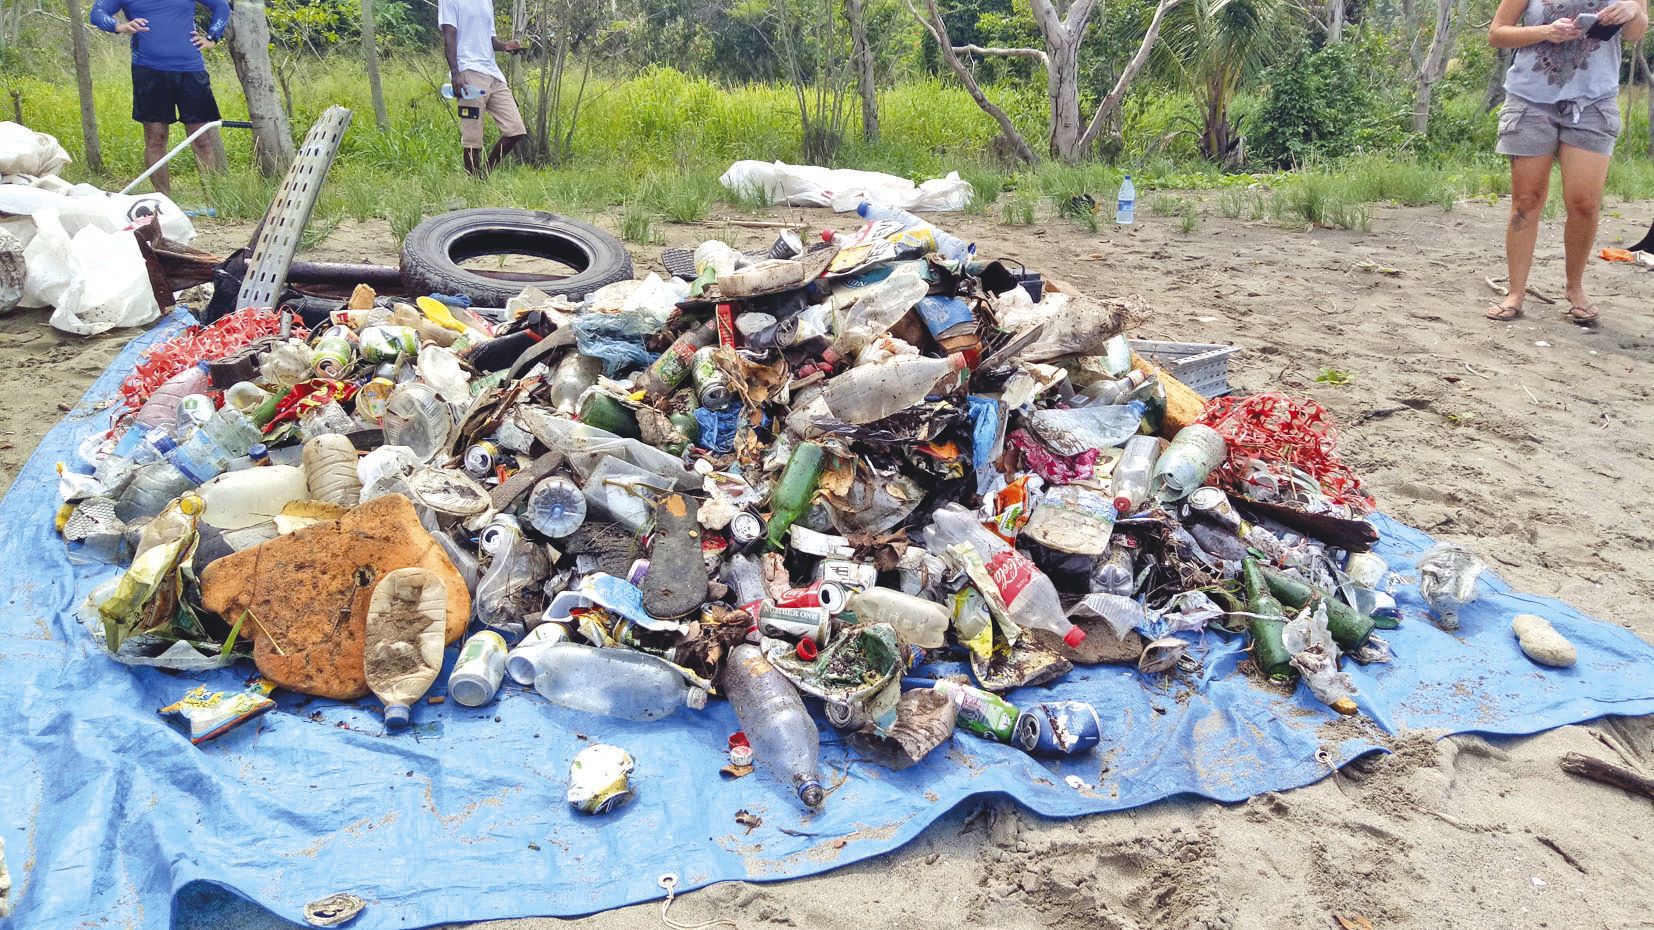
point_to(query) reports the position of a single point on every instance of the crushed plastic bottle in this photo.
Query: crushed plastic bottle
(1029, 596)
(872, 392)
(949, 246)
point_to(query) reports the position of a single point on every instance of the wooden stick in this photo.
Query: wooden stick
(760, 224)
(1608, 773)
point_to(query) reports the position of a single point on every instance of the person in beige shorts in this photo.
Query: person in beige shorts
(469, 42)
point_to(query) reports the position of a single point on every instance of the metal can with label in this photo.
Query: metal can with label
(711, 384)
(599, 778)
(851, 576)
(795, 623)
(746, 529)
(372, 397)
(1215, 504)
(388, 343)
(480, 459)
(479, 669)
(980, 712)
(824, 594)
(1058, 728)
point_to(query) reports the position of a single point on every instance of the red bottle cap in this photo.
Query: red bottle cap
(807, 650)
(1074, 637)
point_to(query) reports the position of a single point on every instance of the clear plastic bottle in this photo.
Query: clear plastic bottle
(784, 738)
(951, 247)
(1104, 393)
(232, 431)
(613, 682)
(872, 392)
(517, 566)
(556, 507)
(1116, 571)
(1125, 205)
(1096, 427)
(417, 418)
(153, 486)
(877, 308)
(1030, 598)
(330, 470)
(161, 410)
(1131, 474)
(574, 373)
(917, 621)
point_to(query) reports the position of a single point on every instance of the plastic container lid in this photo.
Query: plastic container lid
(396, 716)
(1074, 637)
(694, 699)
(811, 794)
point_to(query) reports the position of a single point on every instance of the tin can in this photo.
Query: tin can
(1058, 728)
(794, 623)
(746, 529)
(824, 594)
(480, 459)
(711, 385)
(195, 409)
(479, 670)
(851, 576)
(522, 663)
(333, 353)
(372, 397)
(599, 778)
(981, 712)
(1215, 504)
(388, 343)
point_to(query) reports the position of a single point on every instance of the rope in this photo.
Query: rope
(669, 882)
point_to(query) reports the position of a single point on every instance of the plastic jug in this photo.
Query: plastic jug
(240, 499)
(330, 470)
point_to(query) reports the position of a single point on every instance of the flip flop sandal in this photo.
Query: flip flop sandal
(676, 583)
(1584, 316)
(1499, 313)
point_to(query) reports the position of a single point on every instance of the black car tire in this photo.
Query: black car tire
(433, 251)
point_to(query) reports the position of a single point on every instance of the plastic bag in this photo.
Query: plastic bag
(1447, 581)
(1315, 656)
(843, 188)
(95, 281)
(24, 151)
(12, 272)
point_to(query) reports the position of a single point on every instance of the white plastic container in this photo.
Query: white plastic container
(239, 499)
(479, 670)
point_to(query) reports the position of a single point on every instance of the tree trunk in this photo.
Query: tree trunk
(370, 58)
(519, 25)
(250, 51)
(83, 82)
(1435, 62)
(1648, 89)
(1495, 94)
(866, 84)
(1062, 83)
(1335, 21)
(931, 19)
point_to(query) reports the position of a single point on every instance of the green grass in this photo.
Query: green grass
(637, 224)
(1019, 209)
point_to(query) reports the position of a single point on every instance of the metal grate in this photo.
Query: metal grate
(283, 226)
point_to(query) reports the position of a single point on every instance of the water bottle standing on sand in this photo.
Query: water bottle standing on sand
(1125, 206)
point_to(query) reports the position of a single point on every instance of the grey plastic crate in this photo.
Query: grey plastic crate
(1202, 366)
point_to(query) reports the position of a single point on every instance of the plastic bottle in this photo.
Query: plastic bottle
(232, 431)
(1125, 205)
(556, 507)
(417, 418)
(243, 498)
(1029, 596)
(1094, 427)
(330, 470)
(470, 93)
(877, 308)
(1185, 465)
(917, 621)
(161, 410)
(794, 491)
(517, 566)
(1131, 474)
(783, 736)
(951, 247)
(403, 641)
(153, 486)
(872, 392)
(574, 373)
(613, 682)
(1116, 572)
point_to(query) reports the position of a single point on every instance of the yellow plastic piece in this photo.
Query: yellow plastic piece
(437, 312)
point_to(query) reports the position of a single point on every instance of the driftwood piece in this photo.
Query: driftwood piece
(1608, 773)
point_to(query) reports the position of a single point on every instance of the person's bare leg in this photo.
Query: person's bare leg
(155, 148)
(1583, 175)
(502, 148)
(206, 149)
(473, 162)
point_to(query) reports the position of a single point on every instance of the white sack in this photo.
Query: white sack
(85, 205)
(843, 188)
(94, 280)
(24, 151)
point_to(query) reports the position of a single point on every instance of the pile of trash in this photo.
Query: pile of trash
(811, 477)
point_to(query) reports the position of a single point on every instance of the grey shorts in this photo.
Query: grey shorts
(1527, 128)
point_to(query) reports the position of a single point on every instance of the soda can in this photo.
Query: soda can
(981, 712)
(372, 397)
(480, 459)
(746, 529)
(599, 778)
(195, 409)
(333, 353)
(824, 594)
(388, 343)
(725, 315)
(848, 575)
(522, 663)
(794, 623)
(1214, 503)
(479, 670)
(711, 385)
(1058, 728)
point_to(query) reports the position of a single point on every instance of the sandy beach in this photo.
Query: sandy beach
(1528, 442)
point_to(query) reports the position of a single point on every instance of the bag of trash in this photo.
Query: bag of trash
(95, 281)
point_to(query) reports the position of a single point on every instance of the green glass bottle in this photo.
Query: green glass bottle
(794, 491)
(1268, 622)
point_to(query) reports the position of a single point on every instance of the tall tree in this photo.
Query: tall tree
(1433, 66)
(866, 82)
(83, 83)
(250, 51)
(1218, 44)
(370, 59)
(1062, 25)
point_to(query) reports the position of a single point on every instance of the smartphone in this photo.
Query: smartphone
(1602, 31)
(1584, 22)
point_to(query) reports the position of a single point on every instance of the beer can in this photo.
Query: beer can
(824, 594)
(599, 778)
(746, 529)
(480, 459)
(711, 385)
(851, 576)
(1058, 728)
(479, 669)
(372, 397)
(1214, 503)
(794, 623)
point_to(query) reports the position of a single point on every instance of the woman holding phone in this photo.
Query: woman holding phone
(1561, 106)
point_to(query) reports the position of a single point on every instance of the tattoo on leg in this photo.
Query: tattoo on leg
(1518, 219)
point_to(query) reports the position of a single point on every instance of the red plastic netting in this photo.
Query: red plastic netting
(223, 338)
(1277, 430)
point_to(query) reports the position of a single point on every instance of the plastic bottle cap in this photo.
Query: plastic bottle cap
(694, 699)
(811, 794)
(1122, 504)
(396, 716)
(740, 755)
(1074, 637)
(807, 650)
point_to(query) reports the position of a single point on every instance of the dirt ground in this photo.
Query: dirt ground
(1522, 441)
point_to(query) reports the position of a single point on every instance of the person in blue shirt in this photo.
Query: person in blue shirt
(169, 76)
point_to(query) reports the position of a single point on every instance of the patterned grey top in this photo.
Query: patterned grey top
(1582, 70)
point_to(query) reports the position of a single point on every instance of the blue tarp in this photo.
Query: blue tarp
(111, 810)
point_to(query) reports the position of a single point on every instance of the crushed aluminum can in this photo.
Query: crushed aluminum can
(480, 459)
(851, 576)
(333, 910)
(1214, 503)
(599, 778)
(824, 594)
(794, 623)
(1062, 728)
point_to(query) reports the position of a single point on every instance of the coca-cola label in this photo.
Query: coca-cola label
(1011, 572)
